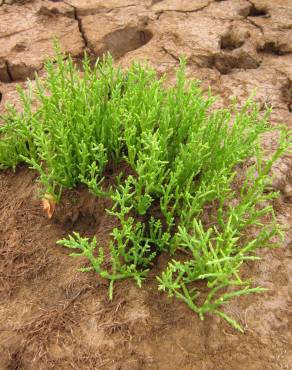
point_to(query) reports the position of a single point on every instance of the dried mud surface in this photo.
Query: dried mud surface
(53, 317)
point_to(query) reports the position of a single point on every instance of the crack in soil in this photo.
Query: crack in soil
(9, 74)
(3, 36)
(79, 22)
(170, 54)
(250, 21)
(159, 13)
(123, 6)
(253, 23)
(80, 27)
(5, 75)
(86, 12)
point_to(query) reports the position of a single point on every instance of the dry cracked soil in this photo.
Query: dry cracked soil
(53, 317)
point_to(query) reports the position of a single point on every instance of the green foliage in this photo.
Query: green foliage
(181, 157)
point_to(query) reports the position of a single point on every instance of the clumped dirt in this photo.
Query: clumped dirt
(53, 317)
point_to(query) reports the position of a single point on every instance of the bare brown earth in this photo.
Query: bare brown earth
(53, 317)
